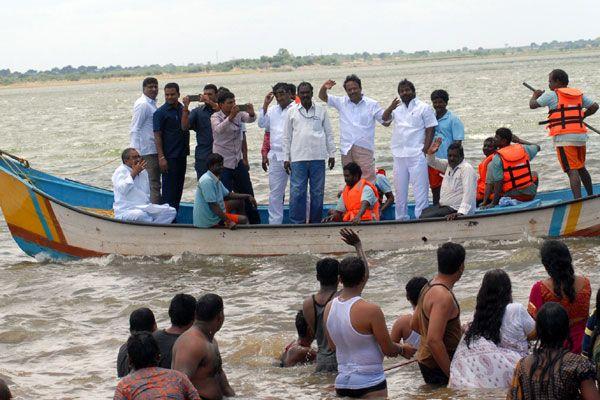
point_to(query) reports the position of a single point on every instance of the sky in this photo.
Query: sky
(42, 34)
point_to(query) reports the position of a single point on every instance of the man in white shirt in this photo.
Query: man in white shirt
(459, 187)
(307, 143)
(142, 134)
(414, 122)
(272, 120)
(358, 114)
(132, 192)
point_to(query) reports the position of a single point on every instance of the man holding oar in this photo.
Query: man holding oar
(565, 124)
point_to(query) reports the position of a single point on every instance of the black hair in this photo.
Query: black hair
(353, 78)
(182, 310)
(224, 95)
(494, 295)
(327, 271)
(450, 256)
(490, 139)
(413, 288)
(457, 146)
(560, 75)
(552, 329)
(301, 324)
(5, 393)
(353, 168)
(352, 271)
(440, 94)
(125, 154)
(142, 319)
(149, 81)
(281, 85)
(505, 134)
(292, 89)
(557, 260)
(172, 85)
(307, 84)
(142, 350)
(212, 87)
(213, 159)
(406, 82)
(208, 307)
(222, 89)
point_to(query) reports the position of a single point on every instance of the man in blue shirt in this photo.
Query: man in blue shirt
(199, 121)
(451, 130)
(172, 145)
(209, 204)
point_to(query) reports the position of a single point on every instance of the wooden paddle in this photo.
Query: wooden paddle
(400, 365)
(591, 128)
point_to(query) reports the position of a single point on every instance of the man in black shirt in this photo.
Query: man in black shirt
(181, 313)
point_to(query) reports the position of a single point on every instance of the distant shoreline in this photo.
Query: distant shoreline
(533, 55)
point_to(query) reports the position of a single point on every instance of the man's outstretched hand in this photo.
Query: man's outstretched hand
(350, 237)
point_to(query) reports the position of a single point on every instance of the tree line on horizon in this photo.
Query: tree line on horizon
(283, 58)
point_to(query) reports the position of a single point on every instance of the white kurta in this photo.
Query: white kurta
(132, 199)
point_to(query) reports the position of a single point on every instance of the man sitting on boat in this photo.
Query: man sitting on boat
(132, 192)
(459, 186)
(489, 150)
(359, 200)
(209, 204)
(509, 173)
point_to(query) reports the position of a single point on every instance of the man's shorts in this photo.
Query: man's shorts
(435, 178)
(571, 157)
(232, 217)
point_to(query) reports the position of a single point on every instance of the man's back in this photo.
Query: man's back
(155, 383)
(165, 342)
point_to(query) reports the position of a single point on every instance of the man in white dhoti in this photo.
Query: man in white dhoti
(132, 192)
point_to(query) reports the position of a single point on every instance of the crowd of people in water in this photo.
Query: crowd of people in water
(546, 350)
(298, 146)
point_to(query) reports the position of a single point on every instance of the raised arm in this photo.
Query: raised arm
(387, 114)
(323, 91)
(185, 115)
(351, 238)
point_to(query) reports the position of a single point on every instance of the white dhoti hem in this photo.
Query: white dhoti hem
(278, 180)
(151, 213)
(411, 170)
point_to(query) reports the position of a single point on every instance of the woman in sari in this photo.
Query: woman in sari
(551, 371)
(495, 340)
(563, 286)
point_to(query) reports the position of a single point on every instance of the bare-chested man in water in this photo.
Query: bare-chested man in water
(196, 352)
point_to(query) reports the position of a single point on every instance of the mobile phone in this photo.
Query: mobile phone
(195, 97)
(243, 107)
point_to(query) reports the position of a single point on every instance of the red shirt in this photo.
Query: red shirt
(156, 383)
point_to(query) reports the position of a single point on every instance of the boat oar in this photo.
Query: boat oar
(402, 364)
(591, 128)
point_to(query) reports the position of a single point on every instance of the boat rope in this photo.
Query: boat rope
(111, 161)
(15, 168)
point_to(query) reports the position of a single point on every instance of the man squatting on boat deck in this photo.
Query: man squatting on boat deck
(301, 139)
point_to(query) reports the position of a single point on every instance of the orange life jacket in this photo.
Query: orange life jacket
(482, 168)
(515, 164)
(567, 117)
(352, 199)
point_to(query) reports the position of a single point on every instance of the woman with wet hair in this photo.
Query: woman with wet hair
(495, 340)
(562, 286)
(551, 371)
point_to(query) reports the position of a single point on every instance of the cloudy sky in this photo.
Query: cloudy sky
(41, 34)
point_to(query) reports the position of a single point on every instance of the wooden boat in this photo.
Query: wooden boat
(64, 219)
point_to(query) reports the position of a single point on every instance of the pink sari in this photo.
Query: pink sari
(578, 311)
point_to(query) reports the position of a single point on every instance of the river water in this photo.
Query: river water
(61, 323)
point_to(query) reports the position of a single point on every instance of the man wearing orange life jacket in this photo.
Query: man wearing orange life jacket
(359, 200)
(509, 173)
(565, 124)
(489, 149)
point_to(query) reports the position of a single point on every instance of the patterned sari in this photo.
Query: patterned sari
(578, 311)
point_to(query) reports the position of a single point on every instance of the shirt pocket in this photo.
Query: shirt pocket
(317, 126)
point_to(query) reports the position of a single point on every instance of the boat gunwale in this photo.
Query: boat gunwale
(286, 226)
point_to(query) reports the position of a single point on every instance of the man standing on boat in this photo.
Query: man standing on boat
(198, 120)
(132, 192)
(272, 120)
(142, 134)
(414, 123)
(358, 115)
(307, 143)
(459, 187)
(509, 173)
(565, 124)
(172, 144)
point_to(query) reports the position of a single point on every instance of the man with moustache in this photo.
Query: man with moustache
(172, 144)
(142, 134)
(358, 114)
(198, 120)
(414, 123)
